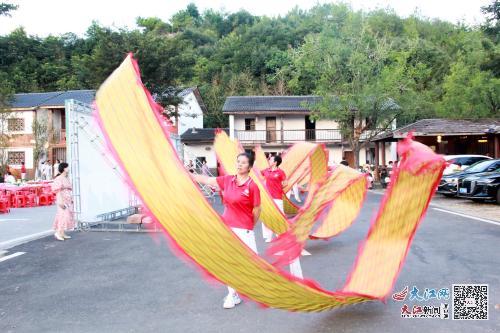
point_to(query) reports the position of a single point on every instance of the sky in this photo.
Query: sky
(56, 17)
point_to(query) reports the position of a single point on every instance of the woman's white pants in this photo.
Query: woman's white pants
(295, 267)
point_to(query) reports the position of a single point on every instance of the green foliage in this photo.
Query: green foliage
(6, 8)
(383, 65)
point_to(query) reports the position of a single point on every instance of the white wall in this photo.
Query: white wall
(294, 123)
(239, 122)
(192, 151)
(28, 156)
(28, 117)
(326, 124)
(190, 114)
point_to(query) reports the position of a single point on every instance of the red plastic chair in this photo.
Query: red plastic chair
(4, 206)
(19, 201)
(45, 199)
(31, 200)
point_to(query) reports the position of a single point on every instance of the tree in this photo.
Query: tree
(5, 114)
(7, 8)
(41, 138)
(414, 61)
(492, 26)
(365, 85)
(470, 93)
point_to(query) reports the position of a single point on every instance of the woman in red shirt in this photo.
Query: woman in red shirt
(275, 181)
(23, 171)
(241, 199)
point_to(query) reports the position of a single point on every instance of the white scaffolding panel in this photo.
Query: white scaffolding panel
(99, 188)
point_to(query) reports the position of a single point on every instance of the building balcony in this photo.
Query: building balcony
(58, 137)
(288, 136)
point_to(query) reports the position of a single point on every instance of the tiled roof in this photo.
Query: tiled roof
(85, 96)
(200, 135)
(55, 98)
(30, 100)
(445, 127)
(300, 104)
(186, 91)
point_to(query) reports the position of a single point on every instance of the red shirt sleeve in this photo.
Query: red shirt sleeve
(221, 181)
(255, 195)
(283, 175)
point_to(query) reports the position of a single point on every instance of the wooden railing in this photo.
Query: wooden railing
(59, 136)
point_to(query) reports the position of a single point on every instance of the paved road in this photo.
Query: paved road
(23, 222)
(486, 210)
(131, 282)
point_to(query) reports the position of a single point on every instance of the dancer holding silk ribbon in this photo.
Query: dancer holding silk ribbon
(275, 181)
(241, 199)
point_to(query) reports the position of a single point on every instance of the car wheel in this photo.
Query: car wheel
(477, 200)
(498, 197)
(449, 195)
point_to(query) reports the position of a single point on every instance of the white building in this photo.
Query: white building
(49, 107)
(277, 122)
(190, 111)
(198, 145)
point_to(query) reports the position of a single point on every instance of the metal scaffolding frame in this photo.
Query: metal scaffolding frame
(80, 128)
(109, 221)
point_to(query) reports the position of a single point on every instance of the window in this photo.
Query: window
(15, 157)
(250, 124)
(468, 160)
(15, 124)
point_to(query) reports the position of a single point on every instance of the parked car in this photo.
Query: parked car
(449, 183)
(457, 163)
(481, 186)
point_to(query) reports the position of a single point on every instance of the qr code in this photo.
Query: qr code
(470, 301)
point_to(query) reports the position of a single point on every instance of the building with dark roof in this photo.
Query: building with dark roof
(277, 122)
(266, 104)
(26, 107)
(198, 146)
(200, 135)
(55, 99)
(451, 136)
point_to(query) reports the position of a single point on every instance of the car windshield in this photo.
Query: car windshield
(481, 166)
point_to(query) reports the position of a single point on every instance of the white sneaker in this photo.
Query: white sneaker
(231, 301)
(305, 253)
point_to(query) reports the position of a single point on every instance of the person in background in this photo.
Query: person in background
(56, 167)
(43, 173)
(241, 199)
(48, 170)
(390, 167)
(10, 179)
(190, 166)
(204, 168)
(64, 220)
(368, 171)
(23, 171)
